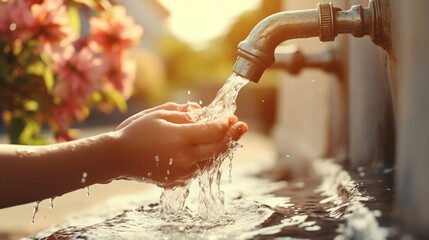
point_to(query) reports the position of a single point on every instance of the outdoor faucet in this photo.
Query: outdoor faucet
(256, 52)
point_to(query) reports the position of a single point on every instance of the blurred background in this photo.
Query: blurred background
(187, 52)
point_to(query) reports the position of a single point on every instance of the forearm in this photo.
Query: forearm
(33, 173)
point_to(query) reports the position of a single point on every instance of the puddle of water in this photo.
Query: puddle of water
(307, 208)
(133, 218)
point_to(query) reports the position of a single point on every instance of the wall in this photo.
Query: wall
(312, 116)
(372, 129)
(301, 127)
(413, 111)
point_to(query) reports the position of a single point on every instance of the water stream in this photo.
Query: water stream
(211, 198)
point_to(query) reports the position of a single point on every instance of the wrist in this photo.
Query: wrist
(110, 152)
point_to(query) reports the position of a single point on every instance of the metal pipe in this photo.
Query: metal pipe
(291, 59)
(256, 52)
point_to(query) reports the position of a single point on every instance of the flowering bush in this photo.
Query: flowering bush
(50, 74)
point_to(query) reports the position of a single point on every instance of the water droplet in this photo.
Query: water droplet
(166, 178)
(12, 26)
(168, 172)
(83, 179)
(263, 100)
(20, 152)
(170, 162)
(149, 174)
(30, 152)
(73, 147)
(51, 203)
(23, 152)
(200, 102)
(87, 191)
(189, 92)
(312, 228)
(35, 210)
(288, 156)
(157, 160)
(313, 81)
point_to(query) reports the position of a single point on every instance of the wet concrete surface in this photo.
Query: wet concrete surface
(307, 214)
(375, 183)
(304, 215)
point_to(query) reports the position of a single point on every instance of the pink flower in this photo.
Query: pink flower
(64, 114)
(121, 74)
(55, 31)
(17, 21)
(78, 77)
(114, 30)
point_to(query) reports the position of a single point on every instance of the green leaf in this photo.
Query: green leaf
(89, 3)
(25, 130)
(31, 129)
(117, 98)
(31, 105)
(36, 68)
(16, 127)
(74, 18)
(48, 76)
(38, 140)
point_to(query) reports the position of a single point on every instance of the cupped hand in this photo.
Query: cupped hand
(164, 145)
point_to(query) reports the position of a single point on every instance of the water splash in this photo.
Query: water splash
(211, 198)
(87, 191)
(173, 200)
(51, 203)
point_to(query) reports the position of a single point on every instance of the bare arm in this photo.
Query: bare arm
(166, 133)
(31, 173)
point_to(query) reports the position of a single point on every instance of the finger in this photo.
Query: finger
(207, 132)
(207, 151)
(170, 106)
(175, 117)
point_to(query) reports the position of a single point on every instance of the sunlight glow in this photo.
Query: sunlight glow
(198, 21)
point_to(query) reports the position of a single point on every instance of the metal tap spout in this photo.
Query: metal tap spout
(256, 52)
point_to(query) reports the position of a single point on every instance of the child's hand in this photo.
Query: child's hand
(164, 145)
